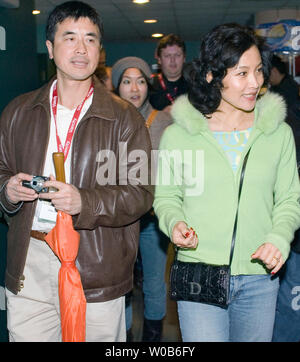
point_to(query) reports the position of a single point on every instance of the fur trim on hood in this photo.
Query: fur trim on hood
(270, 111)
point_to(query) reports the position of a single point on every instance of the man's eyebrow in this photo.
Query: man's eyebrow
(68, 32)
(93, 34)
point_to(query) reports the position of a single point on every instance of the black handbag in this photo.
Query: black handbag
(200, 282)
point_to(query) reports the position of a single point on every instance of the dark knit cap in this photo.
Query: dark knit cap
(129, 62)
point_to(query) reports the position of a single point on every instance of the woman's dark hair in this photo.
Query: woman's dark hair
(74, 10)
(221, 49)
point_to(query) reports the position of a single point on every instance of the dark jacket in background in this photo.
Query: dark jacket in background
(289, 89)
(158, 96)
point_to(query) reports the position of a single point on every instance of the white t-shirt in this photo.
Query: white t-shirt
(63, 120)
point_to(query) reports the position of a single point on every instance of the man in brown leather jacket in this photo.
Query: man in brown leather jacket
(104, 213)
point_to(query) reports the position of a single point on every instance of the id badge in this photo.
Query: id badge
(47, 212)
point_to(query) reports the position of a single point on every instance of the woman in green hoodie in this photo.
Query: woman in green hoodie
(196, 194)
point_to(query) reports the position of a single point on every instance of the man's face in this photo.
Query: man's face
(171, 60)
(75, 49)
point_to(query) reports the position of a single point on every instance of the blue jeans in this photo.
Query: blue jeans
(248, 318)
(153, 249)
(287, 320)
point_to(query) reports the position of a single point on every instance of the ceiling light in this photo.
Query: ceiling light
(157, 35)
(36, 12)
(140, 1)
(150, 21)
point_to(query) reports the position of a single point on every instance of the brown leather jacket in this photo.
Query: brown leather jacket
(108, 223)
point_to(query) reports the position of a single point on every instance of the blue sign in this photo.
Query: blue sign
(281, 36)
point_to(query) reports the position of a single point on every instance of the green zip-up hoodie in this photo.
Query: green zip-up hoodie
(196, 184)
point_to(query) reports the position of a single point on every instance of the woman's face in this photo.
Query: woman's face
(243, 82)
(133, 87)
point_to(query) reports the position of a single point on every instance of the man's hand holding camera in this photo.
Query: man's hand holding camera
(16, 192)
(67, 197)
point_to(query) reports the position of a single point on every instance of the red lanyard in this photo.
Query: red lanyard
(73, 123)
(164, 87)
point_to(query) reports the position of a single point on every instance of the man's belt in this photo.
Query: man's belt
(38, 235)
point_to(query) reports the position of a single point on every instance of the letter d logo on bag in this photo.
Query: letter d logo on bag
(195, 288)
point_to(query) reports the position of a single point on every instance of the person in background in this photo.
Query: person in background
(107, 79)
(104, 75)
(103, 72)
(131, 80)
(222, 119)
(287, 320)
(283, 83)
(106, 214)
(170, 82)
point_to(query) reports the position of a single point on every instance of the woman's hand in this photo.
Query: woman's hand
(183, 237)
(270, 256)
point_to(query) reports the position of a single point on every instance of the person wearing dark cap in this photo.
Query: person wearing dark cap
(131, 77)
(170, 82)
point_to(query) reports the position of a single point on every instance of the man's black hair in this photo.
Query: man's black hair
(73, 10)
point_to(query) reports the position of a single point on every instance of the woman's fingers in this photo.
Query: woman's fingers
(184, 237)
(270, 255)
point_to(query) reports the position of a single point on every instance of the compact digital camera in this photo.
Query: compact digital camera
(37, 184)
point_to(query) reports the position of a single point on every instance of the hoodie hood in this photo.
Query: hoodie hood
(270, 111)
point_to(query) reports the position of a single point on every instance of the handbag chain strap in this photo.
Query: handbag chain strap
(236, 216)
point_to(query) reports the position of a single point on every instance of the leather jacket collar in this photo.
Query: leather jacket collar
(103, 109)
